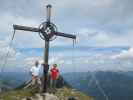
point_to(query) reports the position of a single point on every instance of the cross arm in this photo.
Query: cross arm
(25, 28)
(66, 35)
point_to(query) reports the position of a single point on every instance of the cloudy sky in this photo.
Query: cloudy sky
(103, 28)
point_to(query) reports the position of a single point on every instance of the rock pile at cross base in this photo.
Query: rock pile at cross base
(46, 96)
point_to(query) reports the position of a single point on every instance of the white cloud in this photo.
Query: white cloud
(98, 37)
(96, 20)
(30, 61)
(9, 56)
(8, 19)
(96, 23)
(124, 54)
(5, 48)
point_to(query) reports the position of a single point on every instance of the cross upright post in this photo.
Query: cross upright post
(48, 32)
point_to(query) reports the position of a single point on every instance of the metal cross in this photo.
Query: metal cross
(48, 32)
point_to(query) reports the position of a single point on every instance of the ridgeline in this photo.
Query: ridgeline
(63, 92)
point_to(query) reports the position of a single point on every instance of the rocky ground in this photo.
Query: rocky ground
(46, 96)
(63, 92)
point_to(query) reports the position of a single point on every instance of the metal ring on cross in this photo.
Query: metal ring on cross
(47, 31)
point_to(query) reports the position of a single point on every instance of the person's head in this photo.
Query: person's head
(36, 63)
(54, 65)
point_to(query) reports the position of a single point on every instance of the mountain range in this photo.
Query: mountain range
(100, 84)
(103, 85)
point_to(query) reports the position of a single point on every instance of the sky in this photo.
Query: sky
(103, 29)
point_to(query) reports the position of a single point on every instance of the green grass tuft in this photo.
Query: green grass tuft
(17, 94)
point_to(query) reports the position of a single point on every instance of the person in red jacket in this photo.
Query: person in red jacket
(54, 75)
